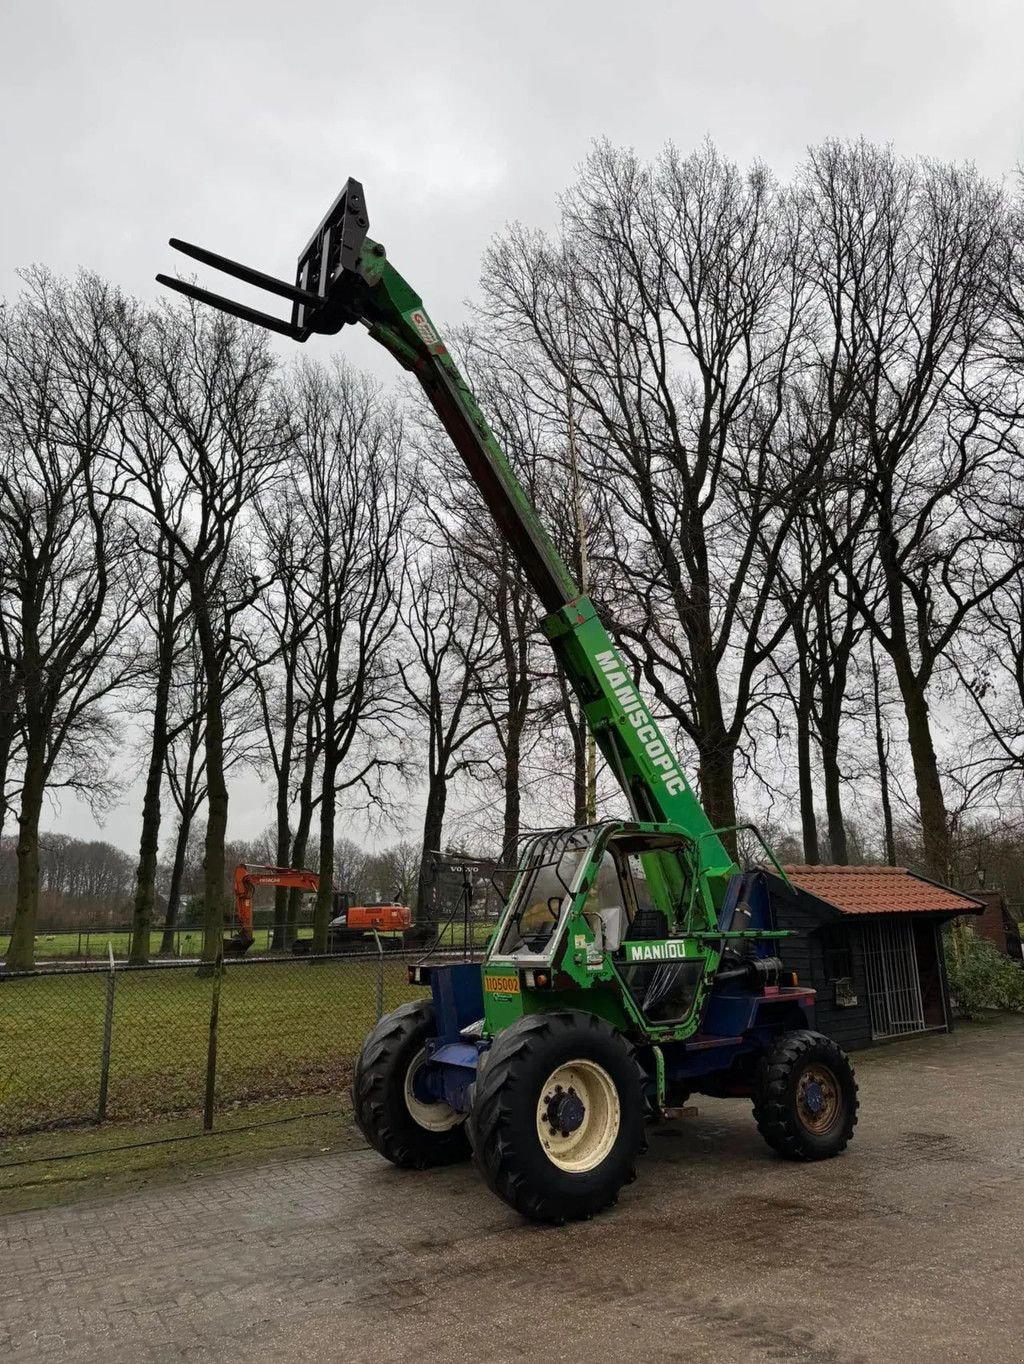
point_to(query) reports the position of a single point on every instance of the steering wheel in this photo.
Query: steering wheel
(554, 900)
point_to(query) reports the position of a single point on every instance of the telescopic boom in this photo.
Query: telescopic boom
(343, 277)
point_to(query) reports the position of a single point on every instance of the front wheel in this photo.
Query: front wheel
(805, 1097)
(557, 1121)
(405, 1129)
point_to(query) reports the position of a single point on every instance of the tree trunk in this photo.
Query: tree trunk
(591, 776)
(278, 940)
(580, 783)
(279, 936)
(325, 892)
(805, 774)
(833, 674)
(883, 767)
(174, 889)
(298, 858)
(216, 785)
(145, 875)
(433, 829)
(716, 789)
(913, 688)
(510, 831)
(931, 802)
(8, 728)
(21, 949)
(216, 827)
(149, 841)
(833, 777)
(715, 747)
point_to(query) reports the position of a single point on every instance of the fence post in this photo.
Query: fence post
(380, 975)
(211, 1047)
(108, 1033)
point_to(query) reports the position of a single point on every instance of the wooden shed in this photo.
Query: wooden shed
(868, 939)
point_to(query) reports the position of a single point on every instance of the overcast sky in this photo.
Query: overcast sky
(234, 124)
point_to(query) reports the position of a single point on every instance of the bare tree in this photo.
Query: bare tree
(913, 244)
(11, 668)
(684, 282)
(159, 592)
(185, 759)
(203, 441)
(452, 643)
(516, 684)
(185, 767)
(989, 662)
(289, 611)
(395, 872)
(347, 472)
(64, 549)
(988, 653)
(825, 629)
(350, 859)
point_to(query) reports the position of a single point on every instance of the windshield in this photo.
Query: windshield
(542, 892)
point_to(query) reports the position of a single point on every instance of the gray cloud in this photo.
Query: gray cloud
(233, 124)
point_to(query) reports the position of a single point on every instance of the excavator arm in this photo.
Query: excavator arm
(248, 877)
(345, 278)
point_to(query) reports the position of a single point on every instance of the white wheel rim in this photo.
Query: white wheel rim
(438, 1117)
(585, 1147)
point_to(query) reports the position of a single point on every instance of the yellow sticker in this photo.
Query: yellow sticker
(501, 985)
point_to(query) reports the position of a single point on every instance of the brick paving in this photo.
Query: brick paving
(909, 1248)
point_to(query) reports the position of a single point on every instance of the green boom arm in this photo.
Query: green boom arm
(345, 277)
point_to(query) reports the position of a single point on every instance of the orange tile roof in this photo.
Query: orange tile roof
(880, 890)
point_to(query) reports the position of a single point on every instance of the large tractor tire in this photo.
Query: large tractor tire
(805, 1097)
(408, 1132)
(558, 1116)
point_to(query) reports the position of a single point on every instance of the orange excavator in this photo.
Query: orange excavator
(349, 924)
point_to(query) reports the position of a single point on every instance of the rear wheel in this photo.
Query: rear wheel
(557, 1121)
(394, 1119)
(805, 1099)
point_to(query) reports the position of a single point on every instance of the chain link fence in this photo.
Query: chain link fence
(94, 1044)
(78, 943)
(81, 944)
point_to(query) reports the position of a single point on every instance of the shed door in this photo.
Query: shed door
(894, 984)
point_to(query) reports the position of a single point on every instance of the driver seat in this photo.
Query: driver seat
(648, 924)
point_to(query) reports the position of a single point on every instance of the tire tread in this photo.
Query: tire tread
(373, 1094)
(772, 1103)
(493, 1143)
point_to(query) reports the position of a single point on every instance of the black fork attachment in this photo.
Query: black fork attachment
(327, 279)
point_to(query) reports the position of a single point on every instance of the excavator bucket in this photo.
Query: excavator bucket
(325, 279)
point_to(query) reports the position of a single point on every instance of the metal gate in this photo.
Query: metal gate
(894, 984)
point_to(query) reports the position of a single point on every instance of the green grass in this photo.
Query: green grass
(91, 944)
(479, 934)
(284, 1029)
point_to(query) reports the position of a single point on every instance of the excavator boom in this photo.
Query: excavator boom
(248, 877)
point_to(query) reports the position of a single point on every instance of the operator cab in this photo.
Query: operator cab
(635, 889)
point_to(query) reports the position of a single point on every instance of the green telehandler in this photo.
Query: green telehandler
(634, 963)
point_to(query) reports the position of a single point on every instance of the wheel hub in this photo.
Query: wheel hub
(565, 1110)
(424, 1108)
(814, 1097)
(819, 1099)
(578, 1115)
